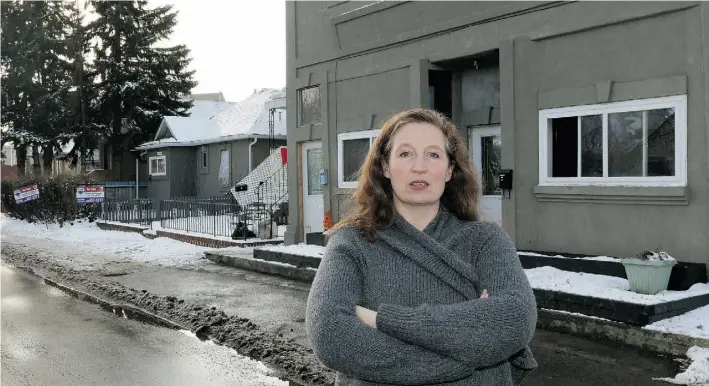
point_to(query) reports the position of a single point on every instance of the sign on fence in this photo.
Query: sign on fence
(88, 194)
(26, 193)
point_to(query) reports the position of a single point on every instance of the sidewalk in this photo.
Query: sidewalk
(259, 315)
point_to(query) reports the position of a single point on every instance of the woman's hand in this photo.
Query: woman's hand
(367, 316)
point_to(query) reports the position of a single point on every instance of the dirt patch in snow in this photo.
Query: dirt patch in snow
(296, 361)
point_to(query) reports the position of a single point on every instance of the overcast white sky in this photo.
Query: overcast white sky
(236, 46)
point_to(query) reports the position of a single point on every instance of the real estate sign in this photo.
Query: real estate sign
(89, 194)
(26, 193)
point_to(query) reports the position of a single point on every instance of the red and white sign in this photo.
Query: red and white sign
(26, 193)
(89, 194)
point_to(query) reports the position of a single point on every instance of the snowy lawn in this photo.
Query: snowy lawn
(88, 238)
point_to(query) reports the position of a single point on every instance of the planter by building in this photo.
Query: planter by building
(648, 276)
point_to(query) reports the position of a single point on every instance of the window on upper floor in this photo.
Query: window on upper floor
(309, 106)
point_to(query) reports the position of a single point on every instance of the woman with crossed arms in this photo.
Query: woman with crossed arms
(413, 289)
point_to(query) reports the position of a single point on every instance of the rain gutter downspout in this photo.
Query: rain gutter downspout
(251, 152)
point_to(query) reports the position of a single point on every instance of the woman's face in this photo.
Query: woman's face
(418, 165)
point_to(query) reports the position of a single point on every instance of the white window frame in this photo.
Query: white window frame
(150, 165)
(341, 138)
(677, 102)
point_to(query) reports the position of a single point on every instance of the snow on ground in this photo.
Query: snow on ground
(694, 323)
(697, 374)
(246, 370)
(601, 286)
(596, 258)
(89, 238)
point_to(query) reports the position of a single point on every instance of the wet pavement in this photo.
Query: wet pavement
(567, 360)
(50, 338)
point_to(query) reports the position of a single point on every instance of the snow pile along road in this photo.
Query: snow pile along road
(697, 374)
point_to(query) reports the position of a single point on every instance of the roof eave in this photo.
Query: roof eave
(208, 141)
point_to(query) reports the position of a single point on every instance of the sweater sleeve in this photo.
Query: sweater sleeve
(480, 332)
(343, 343)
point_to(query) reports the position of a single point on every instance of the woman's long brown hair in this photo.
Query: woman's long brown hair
(373, 199)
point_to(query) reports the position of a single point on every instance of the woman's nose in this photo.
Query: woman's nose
(419, 165)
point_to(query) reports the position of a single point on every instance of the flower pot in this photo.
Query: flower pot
(648, 276)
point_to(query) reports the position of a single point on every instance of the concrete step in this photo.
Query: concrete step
(244, 259)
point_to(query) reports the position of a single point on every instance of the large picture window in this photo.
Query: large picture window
(158, 165)
(632, 143)
(352, 148)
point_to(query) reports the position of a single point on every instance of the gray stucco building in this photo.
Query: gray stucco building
(600, 109)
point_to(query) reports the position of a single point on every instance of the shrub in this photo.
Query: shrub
(56, 203)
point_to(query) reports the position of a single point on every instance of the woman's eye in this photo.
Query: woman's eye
(404, 153)
(434, 155)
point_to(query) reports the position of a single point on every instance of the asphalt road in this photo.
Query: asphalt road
(566, 360)
(50, 338)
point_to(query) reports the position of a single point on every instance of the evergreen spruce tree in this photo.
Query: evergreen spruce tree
(137, 82)
(16, 85)
(80, 119)
(35, 75)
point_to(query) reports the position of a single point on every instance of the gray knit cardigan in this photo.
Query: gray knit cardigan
(432, 327)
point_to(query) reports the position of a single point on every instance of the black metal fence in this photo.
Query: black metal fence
(140, 211)
(215, 216)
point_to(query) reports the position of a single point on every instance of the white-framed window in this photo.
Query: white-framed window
(158, 165)
(205, 157)
(352, 148)
(224, 169)
(632, 143)
(308, 106)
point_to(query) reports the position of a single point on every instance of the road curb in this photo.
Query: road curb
(124, 309)
(601, 329)
(244, 261)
